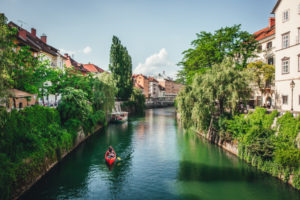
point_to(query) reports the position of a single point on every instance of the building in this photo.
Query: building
(266, 54)
(266, 40)
(153, 87)
(142, 82)
(287, 54)
(82, 68)
(19, 99)
(161, 91)
(38, 46)
(91, 68)
(41, 50)
(171, 87)
(70, 62)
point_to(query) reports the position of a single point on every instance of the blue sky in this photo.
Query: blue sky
(155, 32)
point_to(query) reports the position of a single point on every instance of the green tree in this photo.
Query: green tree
(221, 88)
(74, 105)
(209, 49)
(6, 56)
(104, 92)
(138, 100)
(263, 75)
(121, 68)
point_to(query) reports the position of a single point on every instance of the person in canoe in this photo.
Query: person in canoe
(110, 152)
(110, 155)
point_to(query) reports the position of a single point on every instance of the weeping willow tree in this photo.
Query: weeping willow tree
(104, 92)
(218, 91)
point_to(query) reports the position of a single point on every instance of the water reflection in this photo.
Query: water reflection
(159, 161)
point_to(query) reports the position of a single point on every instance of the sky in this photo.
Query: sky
(155, 32)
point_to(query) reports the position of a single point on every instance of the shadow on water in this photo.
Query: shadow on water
(201, 172)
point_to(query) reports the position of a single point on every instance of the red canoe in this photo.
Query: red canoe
(110, 161)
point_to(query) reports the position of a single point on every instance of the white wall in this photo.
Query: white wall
(153, 89)
(282, 81)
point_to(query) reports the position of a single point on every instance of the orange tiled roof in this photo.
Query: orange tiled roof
(151, 79)
(93, 68)
(137, 75)
(266, 32)
(71, 62)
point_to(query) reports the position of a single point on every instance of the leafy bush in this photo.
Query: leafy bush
(136, 103)
(74, 105)
(288, 158)
(7, 176)
(28, 137)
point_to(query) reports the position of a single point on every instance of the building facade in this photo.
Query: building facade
(266, 54)
(287, 55)
(141, 81)
(171, 88)
(153, 87)
(43, 51)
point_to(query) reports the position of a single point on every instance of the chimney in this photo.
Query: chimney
(44, 38)
(66, 55)
(271, 22)
(33, 32)
(22, 34)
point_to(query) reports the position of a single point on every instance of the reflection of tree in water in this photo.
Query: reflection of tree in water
(120, 137)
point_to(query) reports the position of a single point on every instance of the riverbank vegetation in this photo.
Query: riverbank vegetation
(215, 98)
(33, 138)
(136, 103)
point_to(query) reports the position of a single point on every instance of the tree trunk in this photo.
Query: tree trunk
(15, 104)
(221, 107)
(55, 99)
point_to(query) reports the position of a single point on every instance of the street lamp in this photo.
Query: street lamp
(292, 84)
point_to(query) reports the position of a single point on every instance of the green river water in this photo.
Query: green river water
(158, 161)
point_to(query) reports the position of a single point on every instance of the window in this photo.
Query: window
(299, 100)
(286, 40)
(269, 45)
(299, 9)
(270, 61)
(258, 100)
(285, 99)
(285, 65)
(286, 15)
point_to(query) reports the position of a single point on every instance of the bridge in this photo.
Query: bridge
(160, 102)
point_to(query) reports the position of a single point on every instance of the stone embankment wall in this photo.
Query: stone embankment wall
(49, 164)
(232, 147)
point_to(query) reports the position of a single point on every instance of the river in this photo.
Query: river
(158, 161)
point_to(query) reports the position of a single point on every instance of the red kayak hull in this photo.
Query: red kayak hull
(110, 161)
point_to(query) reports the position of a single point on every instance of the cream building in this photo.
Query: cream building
(265, 53)
(287, 54)
(40, 48)
(153, 87)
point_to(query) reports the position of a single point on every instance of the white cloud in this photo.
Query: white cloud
(63, 51)
(87, 50)
(157, 63)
